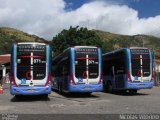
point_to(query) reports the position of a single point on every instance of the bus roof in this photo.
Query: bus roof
(137, 48)
(85, 47)
(58, 57)
(114, 51)
(124, 49)
(23, 43)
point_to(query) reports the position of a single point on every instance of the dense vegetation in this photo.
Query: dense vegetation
(75, 36)
(115, 41)
(107, 41)
(8, 36)
(80, 36)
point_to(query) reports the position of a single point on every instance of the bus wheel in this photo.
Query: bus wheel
(18, 96)
(88, 93)
(105, 87)
(45, 96)
(60, 88)
(109, 88)
(133, 92)
(122, 91)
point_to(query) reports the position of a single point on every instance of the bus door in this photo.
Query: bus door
(31, 65)
(86, 66)
(140, 65)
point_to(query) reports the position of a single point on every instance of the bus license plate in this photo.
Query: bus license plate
(141, 85)
(87, 87)
(31, 90)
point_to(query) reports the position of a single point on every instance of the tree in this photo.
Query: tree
(75, 36)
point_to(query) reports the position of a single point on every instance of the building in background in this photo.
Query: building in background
(4, 66)
(157, 71)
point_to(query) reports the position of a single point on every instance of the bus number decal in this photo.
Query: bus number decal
(92, 62)
(39, 61)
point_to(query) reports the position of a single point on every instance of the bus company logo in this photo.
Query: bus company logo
(139, 51)
(86, 50)
(31, 47)
(38, 48)
(9, 117)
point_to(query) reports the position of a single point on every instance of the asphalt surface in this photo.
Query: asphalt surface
(144, 102)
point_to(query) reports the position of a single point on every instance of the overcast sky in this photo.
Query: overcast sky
(46, 18)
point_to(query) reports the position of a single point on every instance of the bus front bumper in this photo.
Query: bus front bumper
(34, 90)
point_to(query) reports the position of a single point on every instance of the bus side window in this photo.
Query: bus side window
(120, 65)
(107, 65)
(65, 67)
(52, 71)
(57, 71)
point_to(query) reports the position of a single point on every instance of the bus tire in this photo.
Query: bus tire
(60, 89)
(45, 96)
(109, 88)
(88, 93)
(133, 92)
(104, 87)
(18, 96)
(122, 91)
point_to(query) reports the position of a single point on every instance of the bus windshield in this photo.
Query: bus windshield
(31, 59)
(140, 62)
(86, 59)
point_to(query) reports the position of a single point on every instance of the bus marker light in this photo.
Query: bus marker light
(139, 73)
(48, 80)
(71, 79)
(152, 79)
(101, 79)
(129, 77)
(13, 80)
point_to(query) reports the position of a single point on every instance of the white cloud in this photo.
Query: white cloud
(48, 17)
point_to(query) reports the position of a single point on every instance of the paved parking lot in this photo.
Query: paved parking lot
(146, 101)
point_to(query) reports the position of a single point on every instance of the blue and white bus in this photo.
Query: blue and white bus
(128, 69)
(78, 69)
(30, 69)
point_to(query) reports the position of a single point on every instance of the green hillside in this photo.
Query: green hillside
(8, 36)
(115, 41)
